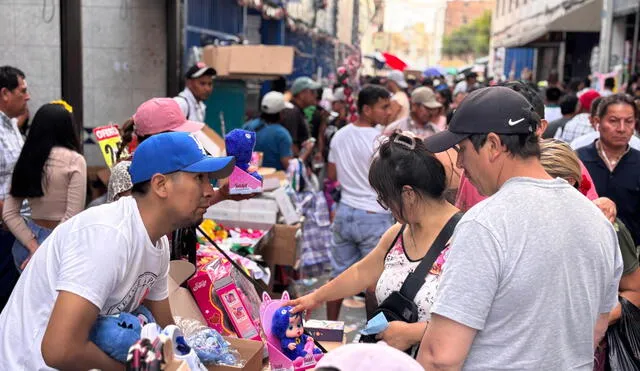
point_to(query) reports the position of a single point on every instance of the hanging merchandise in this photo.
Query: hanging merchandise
(347, 75)
(269, 9)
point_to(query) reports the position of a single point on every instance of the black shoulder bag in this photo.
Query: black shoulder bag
(399, 306)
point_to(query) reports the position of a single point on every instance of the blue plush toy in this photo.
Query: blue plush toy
(114, 335)
(288, 329)
(239, 143)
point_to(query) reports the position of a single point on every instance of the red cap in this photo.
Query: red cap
(587, 98)
(158, 115)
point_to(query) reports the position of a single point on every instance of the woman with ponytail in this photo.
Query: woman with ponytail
(411, 183)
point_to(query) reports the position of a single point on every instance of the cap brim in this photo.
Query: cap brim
(402, 84)
(204, 71)
(189, 127)
(434, 104)
(443, 140)
(216, 167)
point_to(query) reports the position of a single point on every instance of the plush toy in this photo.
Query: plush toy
(239, 143)
(114, 335)
(288, 329)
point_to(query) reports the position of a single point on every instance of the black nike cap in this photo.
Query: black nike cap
(494, 109)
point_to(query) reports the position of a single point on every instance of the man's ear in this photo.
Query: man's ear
(159, 185)
(366, 110)
(544, 124)
(595, 122)
(494, 146)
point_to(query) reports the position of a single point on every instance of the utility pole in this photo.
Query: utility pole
(605, 35)
(634, 51)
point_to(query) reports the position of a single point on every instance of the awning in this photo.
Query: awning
(517, 38)
(581, 17)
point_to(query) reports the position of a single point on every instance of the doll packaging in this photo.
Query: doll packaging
(289, 348)
(244, 179)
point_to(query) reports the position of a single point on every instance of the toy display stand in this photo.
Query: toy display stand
(277, 360)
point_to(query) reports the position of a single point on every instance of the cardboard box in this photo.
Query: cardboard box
(249, 60)
(250, 351)
(272, 180)
(254, 213)
(211, 141)
(286, 206)
(284, 246)
(183, 305)
(322, 330)
(181, 301)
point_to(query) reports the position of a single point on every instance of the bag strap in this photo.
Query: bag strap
(188, 106)
(415, 280)
(261, 126)
(395, 240)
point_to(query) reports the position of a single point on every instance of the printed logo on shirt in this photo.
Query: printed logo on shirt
(200, 146)
(136, 295)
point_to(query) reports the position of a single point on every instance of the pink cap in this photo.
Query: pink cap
(158, 115)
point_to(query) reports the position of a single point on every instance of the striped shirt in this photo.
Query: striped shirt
(11, 143)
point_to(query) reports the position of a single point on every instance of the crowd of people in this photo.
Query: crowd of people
(548, 181)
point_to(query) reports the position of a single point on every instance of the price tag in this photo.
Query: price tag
(109, 140)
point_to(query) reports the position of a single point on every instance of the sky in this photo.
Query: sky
(402, 13)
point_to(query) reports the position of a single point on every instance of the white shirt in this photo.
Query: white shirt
(552, 113)
(104, 255)
(403, 100)
(352, 149)
(192, 109)
(578, 126)
(460, 87)
(587, 139)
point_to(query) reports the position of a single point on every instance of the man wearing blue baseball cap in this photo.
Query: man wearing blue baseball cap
(108, 259)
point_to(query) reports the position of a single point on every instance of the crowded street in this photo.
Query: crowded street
(330, 185)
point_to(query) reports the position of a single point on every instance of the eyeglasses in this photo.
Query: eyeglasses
(384, 204)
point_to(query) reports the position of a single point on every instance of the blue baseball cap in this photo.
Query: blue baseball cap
(176, 151)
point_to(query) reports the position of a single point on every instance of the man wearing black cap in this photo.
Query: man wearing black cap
(533, 270)
(198, 87)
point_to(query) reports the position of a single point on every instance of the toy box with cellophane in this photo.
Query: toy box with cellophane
(228, 301)
(277, 360)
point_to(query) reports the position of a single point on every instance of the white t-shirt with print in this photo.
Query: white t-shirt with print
(352, 149)
(104, 255)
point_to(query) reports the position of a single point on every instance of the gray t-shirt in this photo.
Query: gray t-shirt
(531, 268)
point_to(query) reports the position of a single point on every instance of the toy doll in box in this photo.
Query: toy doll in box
(244, 179)
(289, 348)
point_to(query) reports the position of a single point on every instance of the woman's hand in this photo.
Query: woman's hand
(397, 335)
(308, 302)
